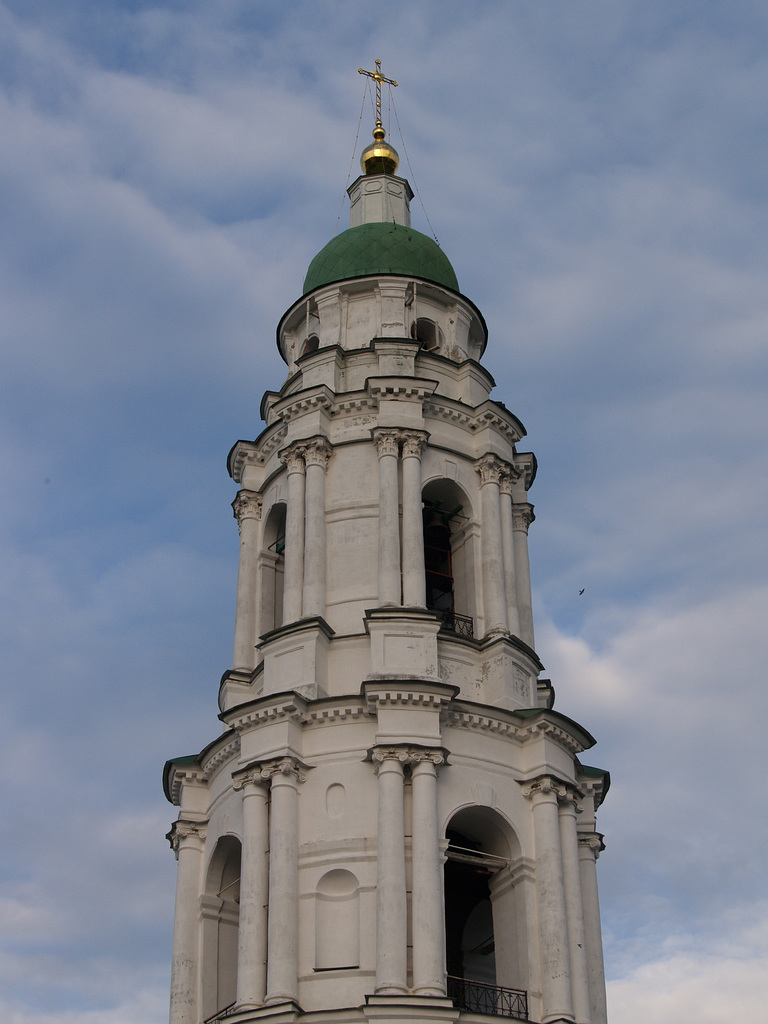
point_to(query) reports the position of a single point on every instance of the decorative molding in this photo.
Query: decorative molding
(544, 785)
(291, 707)
(181, 830)
(247, 505)
(221, 755)
(522, 515)
(284, 766)
(305, 404)
(491, 469)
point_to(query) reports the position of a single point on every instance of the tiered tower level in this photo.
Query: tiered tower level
(394, 824)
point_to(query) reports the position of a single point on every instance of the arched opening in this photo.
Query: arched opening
(272, 570)
(448, 556)
(337, 921)
(220, 909)
(485, 921)
(427, 333)
(310, 345)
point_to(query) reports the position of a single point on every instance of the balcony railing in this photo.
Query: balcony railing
(461, 625)
(477, 997)
(221, 1014)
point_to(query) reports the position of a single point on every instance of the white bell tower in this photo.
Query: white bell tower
(394, 824)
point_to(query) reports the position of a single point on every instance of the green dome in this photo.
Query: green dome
(380, 248)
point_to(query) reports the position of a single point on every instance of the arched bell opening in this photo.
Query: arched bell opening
(220, 911)
(427, 333)
(272, 569)
(485, 923)
(449, 556)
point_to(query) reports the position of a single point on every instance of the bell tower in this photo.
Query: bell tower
(395, 823)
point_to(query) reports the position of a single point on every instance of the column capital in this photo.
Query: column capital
(522, 515)
(387, 441)
(491, 469)
(186, 830)
(379, 755)
(544, 786)
(247, 505)
(286, 766)
(317, 452)
(435, 757)
(591, 842)
(414, 442)
(408, 757)
(509, 476)
(251, 775)
(293, 457)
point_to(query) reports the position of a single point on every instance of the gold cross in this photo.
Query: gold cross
(378, 79)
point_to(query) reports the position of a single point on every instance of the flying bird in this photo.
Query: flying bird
(582, 591)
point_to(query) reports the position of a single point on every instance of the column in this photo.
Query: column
(247, 511)
(283, 924)
(550, 899)
(508, 549)
(254, 889)
(427, 902)
(522, 517)
(391, 901)
(577, 946)
(491, 548)
(387, 445)
(316, 455)
(414, 579)
(187, 839)
(293, 579)
(590, 845)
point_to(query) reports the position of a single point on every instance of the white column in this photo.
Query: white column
(522, 517)
(590, 845)
(414, 578)
(187, 839)
(492, 556)
(316, 457)
(247, 511)
(391, 901)
(550, 899)
(427, 906)
(283, 924)
(507, 543)
(387, 446)
(254, 890)
(569, 845)
(293, 579)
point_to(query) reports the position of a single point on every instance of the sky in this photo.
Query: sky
(595, 171)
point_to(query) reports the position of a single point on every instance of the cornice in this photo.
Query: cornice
(255, 452)
(402, 693)
(274, 708)
(519, 726)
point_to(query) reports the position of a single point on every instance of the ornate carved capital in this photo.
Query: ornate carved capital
(508, 479)
(387, 442)
(293, 457)
(592, 841)
(491, 469)
(544, 786)
(413, 444)
(181, 830)
(406, 756)
(253, 775)
(283, 766)
(317, 452)
(522, 516)
(247, 505)
(436, 757)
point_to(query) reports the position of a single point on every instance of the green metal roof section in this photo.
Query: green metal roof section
(380, 248)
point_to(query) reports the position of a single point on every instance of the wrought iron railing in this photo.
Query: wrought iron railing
(477, 997)
(221, 1014)
(461, 625)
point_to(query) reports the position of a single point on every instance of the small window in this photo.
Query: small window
(427, 333)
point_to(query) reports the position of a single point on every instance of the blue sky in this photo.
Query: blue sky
(595, 171)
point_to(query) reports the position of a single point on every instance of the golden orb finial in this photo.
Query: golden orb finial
(379, 157)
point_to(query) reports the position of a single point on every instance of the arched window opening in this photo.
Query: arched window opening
(310, 345)
(446, 558)
(485, 923)
(427, 333)
(221, 918)
(337, 921)
(272, 570)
